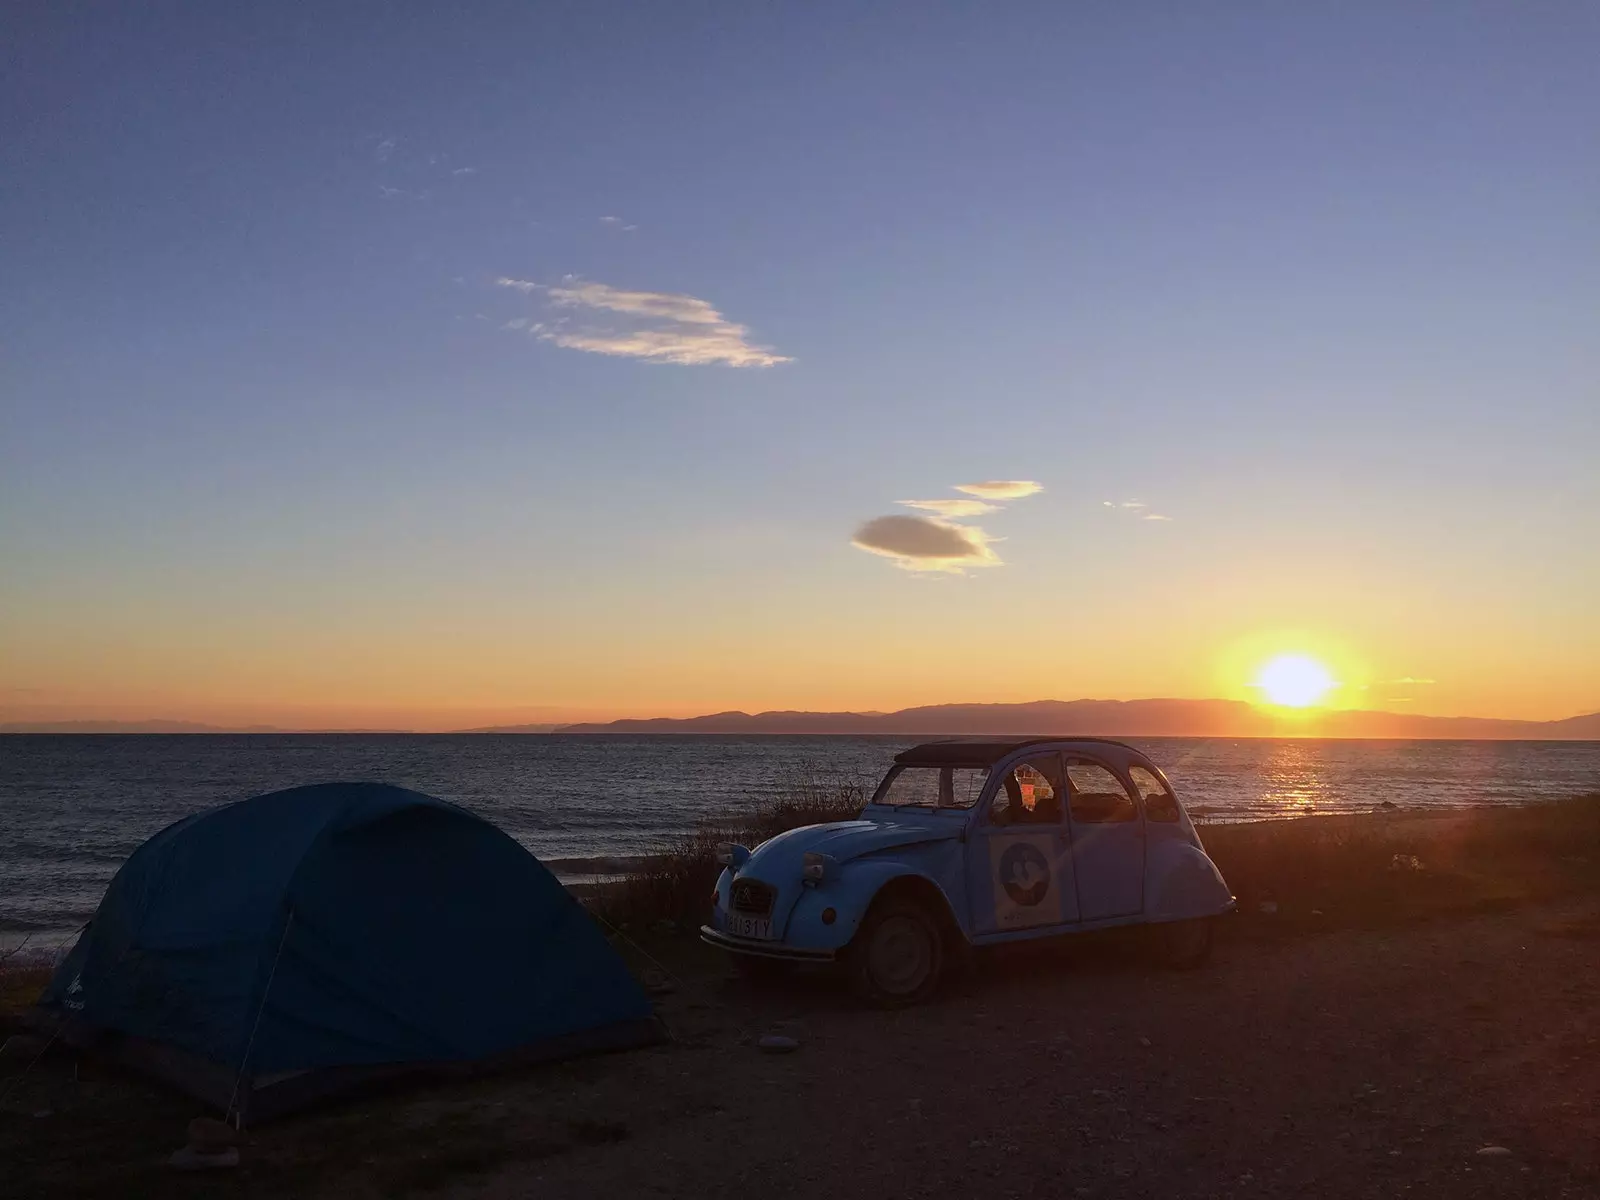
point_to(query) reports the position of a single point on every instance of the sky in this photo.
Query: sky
(437, 366)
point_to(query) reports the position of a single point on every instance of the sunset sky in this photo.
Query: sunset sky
(545, 361)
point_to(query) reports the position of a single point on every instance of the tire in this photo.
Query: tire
(1184, 945)
(897, 957)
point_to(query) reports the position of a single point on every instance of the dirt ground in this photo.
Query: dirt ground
(1350, 1063)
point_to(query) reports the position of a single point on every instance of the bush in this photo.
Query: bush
(1387, 866)
(676, 885)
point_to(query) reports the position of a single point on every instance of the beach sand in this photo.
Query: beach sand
(1361, 1051)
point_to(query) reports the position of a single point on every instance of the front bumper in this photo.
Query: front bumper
(759, 949)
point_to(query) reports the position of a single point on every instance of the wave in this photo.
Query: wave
(597, 864)
(17, 925)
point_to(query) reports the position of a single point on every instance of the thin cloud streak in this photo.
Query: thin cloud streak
(667, 327)
(1001, 489)
(952, 508)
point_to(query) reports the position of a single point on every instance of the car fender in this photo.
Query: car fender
(850, 897)
(1182, 883)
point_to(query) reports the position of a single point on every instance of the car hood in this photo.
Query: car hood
(845, 840)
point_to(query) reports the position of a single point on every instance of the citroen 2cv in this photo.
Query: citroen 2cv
(973, 843)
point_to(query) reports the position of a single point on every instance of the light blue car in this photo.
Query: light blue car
(972, 843)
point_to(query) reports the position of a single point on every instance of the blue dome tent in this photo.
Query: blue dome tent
(267, 953)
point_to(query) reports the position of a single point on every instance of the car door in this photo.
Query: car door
(1107, 841)
(1019, 857)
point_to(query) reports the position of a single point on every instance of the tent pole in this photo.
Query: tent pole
(244, 1062)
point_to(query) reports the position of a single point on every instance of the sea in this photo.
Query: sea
(74, 806)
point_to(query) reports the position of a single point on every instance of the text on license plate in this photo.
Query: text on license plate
(750, 927)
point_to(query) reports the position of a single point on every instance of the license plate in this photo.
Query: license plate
(750, 927)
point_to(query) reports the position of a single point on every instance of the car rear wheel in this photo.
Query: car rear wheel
(898, 955)
(1184, 944)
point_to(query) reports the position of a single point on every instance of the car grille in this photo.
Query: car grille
(753, 897)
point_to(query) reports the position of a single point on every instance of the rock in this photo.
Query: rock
(1269, 907)
(657, 983)
(210, 1136)
(1144, 1041)
(1494, 1152)
(190, 1159)
(777, 1043)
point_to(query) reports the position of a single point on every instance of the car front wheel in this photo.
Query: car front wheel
(898, 955)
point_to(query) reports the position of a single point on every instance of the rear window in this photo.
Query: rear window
(1159, 803)
(1097, 797)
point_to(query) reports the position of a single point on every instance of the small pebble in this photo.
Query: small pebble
(1494, 1152)
(190, 1159)
(776, 1043)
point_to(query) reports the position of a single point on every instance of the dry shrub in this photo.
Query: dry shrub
(23, 978)
(676, 885)
(1392, 866)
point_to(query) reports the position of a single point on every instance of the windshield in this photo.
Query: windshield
(932, 787)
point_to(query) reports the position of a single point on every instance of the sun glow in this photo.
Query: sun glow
(1294, 681)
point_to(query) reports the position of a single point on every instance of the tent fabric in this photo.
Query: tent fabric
(337, 927)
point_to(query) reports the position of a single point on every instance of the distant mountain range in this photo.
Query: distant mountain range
(160, 726)
(1115, 718)
(1119, 718)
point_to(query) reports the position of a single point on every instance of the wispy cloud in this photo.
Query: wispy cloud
(1001, 489)
(1409, 679)
(1134, 508)
(953, 508)
(384, 148)
(938, 543)
(465, 171)
(926, 544)
(666, 327)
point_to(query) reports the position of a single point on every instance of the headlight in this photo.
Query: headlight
(814, 866)
(731, 855)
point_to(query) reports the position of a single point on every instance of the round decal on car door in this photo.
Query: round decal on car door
(1025, 874)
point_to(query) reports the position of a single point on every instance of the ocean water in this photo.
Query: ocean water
(72, 807)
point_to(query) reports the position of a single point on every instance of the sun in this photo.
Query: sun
(1294, 681)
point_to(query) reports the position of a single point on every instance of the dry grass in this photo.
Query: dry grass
(1398, 866)
(676, 885)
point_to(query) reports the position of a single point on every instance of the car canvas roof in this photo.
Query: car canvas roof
(985, 753)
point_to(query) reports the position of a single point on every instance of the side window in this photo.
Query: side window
(1159, 804)
(1029, 794)
(1096, 795)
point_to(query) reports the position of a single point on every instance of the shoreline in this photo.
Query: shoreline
(610, 880)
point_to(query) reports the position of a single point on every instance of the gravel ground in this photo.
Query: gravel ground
(1345, 1063)
(1348, 1064)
